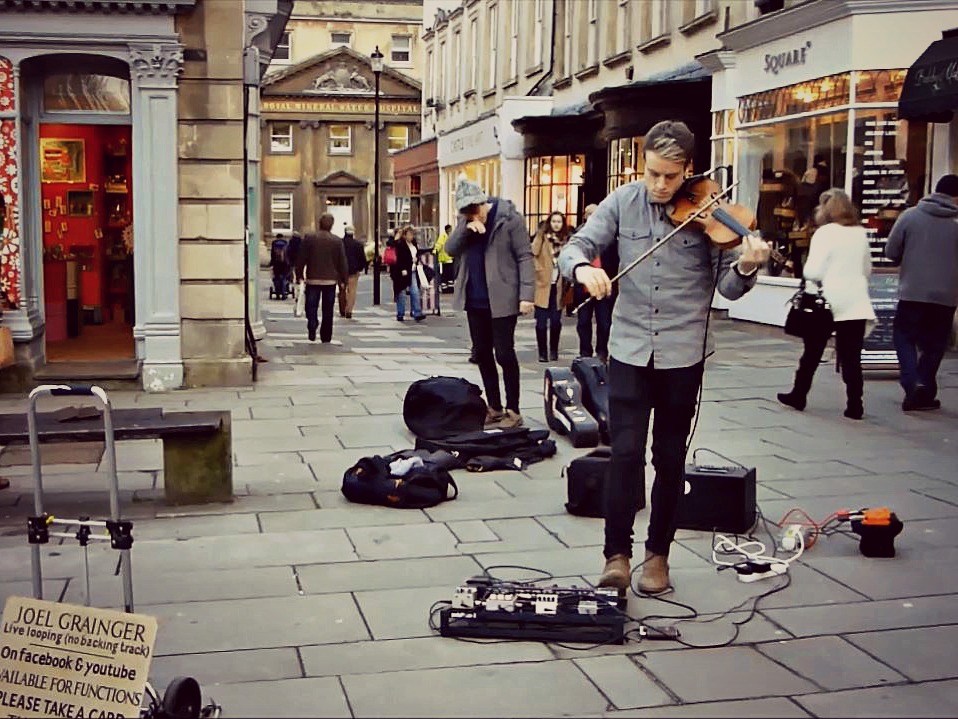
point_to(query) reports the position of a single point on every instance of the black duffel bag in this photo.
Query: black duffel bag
(443, 406)
(369, 481)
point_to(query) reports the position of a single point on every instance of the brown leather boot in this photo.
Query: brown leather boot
(655, 574)
(616, 573)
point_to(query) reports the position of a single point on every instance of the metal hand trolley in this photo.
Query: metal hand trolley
(182, 698)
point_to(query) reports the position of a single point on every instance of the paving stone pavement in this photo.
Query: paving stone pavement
(292, 602)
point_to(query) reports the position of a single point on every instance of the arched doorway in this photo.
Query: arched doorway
(79, 175)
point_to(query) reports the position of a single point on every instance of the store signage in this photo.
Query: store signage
(346, 107)
(778, 61)
(470, 143)
(937, 76)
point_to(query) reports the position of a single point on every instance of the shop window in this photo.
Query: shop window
(592, 42)
(514, 41)
(473, 55)
(341, 39)
(723, 144)
(397, 212)
(537, 35)
(401, 50)
(340, 140)
(879, 85)
(626, 161)
(281, 137)
(553, 184)
(659, 19)
(456, 70)
(397, 137)
(281, 212)
(86, 93)
(568, 20)
(485, 172)
(810, 96)
(283, 54)
(623, 21)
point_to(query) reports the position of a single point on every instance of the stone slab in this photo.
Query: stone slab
(857, 484)
(623, 682)
(472, 530)
(737, 709)
(911, 574)
(513, 535)
(229, 625)
(831, 662)
(213, 668)
(381, 656)
(866, 616)
(921, 654)
(398, 542)
(387, 574)
(353, 516)
(241, 504)
(283, 699)
(929, 699)
(514, 690)
(729, 673)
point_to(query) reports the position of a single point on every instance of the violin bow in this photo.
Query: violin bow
(661, 242)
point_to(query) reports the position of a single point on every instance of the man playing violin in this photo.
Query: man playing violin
(658, 343)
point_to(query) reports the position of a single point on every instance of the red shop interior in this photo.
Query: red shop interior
(86, 192)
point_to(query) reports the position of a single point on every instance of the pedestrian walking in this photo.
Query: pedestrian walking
(447, 270)
(549, 240)
(404, 276)
(355, 263)
(658, 345)
(322, 263)
(924, 241)
(839, 262)
(494, 284)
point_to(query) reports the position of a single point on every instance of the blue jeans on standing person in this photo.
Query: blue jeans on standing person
(920, 334)
(415, 301)
(313, 295)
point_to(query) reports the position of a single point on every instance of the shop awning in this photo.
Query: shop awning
(930, 93)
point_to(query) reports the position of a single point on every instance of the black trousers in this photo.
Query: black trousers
(313, 295)
(602, 311)
(494, 340)
(634, 394)
(849, 337)
(920, 334)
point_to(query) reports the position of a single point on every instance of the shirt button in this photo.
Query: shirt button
(656, 288)
(656, 310)
(658, 264)
(656, 333)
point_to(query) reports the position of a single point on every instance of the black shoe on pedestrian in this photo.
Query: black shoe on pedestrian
(854, 411)
(791, 400)
(920, 400)
(400, 319)
(473, 359)
(543, 357)
(312, 335)
(420, 318)
(553, 356)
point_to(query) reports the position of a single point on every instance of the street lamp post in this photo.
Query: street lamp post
(376, 60)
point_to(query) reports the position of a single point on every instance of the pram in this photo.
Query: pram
(279, 262)
(183, 697)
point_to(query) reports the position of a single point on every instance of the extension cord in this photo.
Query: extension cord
(757, 571)
(788, 542)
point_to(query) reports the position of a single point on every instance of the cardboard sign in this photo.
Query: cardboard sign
(61, 660)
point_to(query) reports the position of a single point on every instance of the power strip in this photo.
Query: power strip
(756, 571)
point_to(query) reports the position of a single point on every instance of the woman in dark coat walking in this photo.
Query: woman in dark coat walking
(403, 274)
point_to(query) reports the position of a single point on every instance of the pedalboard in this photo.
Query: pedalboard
(489, 608)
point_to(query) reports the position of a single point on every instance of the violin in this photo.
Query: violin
(725, 223)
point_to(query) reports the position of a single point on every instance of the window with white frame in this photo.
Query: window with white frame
(340, 139)
(514, 40)
(401, 50)
(280, 137)
(568, 18)
(431, 69)
(283, 54)
(493, 31)
(593, 39)
(473, 53)
(622, 20)
(660, 18)
(441, 71)
(703, 7)
(456, 66)
(341, 38)
(539, 10)
(281, 212)
(397, 137)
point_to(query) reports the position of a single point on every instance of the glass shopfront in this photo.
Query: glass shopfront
(626, 161)
(554, 183)
(838, 131)
(488, 173)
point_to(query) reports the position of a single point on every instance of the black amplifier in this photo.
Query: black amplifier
(718, 499)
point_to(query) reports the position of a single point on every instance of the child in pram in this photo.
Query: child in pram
(281, 267)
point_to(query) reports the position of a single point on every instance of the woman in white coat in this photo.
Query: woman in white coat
(839, 260)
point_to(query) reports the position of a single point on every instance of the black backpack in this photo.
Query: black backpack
(443, 406)
(369, 481)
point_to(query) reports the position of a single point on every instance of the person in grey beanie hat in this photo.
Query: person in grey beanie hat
(494, 284)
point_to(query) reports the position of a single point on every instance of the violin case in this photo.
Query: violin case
(594, 379)
(564, 412)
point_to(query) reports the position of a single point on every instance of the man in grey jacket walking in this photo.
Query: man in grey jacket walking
(924, 241)
(494, 285)
(658, 343)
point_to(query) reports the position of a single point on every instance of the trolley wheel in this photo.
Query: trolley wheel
(183, 699)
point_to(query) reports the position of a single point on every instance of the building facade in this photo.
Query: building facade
(319, 143)
(105, 107)
(318, 108)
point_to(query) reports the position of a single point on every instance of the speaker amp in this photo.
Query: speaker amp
(718, 499)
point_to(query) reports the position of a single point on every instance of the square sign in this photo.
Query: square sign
(61, 660)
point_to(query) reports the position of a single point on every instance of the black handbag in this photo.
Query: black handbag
(809, 315)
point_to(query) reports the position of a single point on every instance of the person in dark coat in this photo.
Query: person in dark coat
(404, 276)
(355, 263)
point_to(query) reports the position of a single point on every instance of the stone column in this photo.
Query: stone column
(154, 69)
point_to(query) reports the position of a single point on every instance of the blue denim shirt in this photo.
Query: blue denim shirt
(664, 301)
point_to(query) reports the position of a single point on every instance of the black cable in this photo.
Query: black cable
(547, 575)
